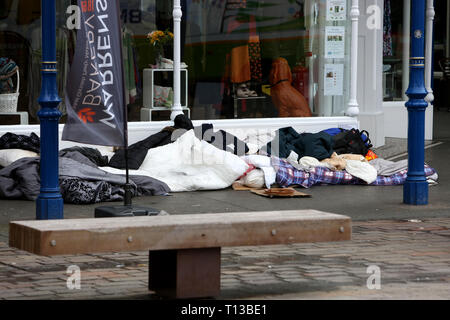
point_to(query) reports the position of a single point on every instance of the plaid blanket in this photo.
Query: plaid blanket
(288, 175)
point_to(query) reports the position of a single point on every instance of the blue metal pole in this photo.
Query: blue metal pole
(415, 189)
(49, 204)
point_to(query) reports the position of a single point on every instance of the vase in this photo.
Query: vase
(159, 54)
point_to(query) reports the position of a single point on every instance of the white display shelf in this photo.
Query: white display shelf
(149, 93)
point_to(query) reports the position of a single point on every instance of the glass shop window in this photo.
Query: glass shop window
(263, 59)
(254, 59)
(241, 58)
(20, 50)
(393, 47)
(395, 69)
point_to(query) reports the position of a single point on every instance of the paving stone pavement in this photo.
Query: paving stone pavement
(413, 259)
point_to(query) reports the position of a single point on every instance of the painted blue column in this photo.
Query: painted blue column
(415, 189)
(49, 204)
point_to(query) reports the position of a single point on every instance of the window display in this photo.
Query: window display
(244, 58)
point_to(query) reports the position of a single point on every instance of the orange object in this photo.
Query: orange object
(279, 191)
(240, 65)
(371, 155)
(288, 101)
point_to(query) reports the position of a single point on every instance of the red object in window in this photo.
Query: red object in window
(84, 6)
(300, 80)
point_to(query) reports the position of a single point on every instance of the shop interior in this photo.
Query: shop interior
(231, 52)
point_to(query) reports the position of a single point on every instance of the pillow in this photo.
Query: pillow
(8, 156)
(163, 96)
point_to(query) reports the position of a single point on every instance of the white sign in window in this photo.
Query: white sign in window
(334, 80)
(334, 42)
(336, 10)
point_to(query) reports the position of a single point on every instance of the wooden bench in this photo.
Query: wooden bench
(184, 250)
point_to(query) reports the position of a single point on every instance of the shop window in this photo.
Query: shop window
(20, 41)
(393, 47)
(231, 50)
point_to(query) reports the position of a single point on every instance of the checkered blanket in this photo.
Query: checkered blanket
(288, 175)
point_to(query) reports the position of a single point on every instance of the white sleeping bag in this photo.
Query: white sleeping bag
(189, 164)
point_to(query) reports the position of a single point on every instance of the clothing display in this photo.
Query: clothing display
(65, 47)
(28, 11)
(129, 65)
(387, 29)
(240, 65)
(15, 46)
(8, 68)
(204, 13)
(254, 51)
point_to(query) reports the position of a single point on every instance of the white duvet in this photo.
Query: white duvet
(189, 164)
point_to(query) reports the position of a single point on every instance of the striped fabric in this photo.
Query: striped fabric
(287, 175)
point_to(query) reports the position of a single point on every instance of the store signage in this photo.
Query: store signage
(334, 80)
(336, 10)
(334, 42)
(94, 89)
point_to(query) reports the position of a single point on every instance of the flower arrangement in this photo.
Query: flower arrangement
(159, 38)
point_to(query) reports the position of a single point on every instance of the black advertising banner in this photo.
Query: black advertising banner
(94, 89)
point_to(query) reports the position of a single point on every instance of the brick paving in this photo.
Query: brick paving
(410, 255)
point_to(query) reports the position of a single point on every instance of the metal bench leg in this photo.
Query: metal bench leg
(185, 273)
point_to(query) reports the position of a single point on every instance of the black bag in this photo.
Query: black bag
(352, 141)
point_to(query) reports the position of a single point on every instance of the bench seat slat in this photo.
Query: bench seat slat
(80, 236)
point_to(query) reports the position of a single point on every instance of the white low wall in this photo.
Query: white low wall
(396, 120)
(240, 127)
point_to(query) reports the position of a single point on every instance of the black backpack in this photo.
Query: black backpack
(352, 141)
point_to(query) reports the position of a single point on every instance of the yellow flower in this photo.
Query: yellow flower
(160, 38)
